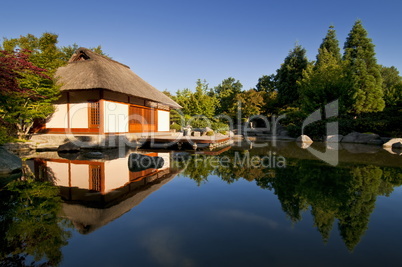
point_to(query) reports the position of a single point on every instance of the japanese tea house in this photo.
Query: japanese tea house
(101, 96)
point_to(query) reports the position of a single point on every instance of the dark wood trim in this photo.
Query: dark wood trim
(156, 120)
(139, 106)
(68, 110)
(102, 95)
(102, 116)
(69, 176)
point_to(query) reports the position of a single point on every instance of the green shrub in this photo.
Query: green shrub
(210, 133)
(5, 136)
(219, 126)
(175, 126)
(200, 123)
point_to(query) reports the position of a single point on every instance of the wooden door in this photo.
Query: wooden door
(142, 119)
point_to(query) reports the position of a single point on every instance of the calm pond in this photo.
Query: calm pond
(268, 206)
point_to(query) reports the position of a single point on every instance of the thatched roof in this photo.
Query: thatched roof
(89, 70)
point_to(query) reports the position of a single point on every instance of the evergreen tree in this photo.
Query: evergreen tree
(206, 102)
(330, 46)
(364, 74)
(201, 102)
(323, 220)
(324, 81)
(289, 74)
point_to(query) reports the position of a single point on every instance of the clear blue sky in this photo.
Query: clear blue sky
(172, 43)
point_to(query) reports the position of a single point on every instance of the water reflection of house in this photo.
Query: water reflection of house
(95, 193)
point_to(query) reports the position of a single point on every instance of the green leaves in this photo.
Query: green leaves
(226, 93)
(28, 87)
(392, 86)
(249, 102)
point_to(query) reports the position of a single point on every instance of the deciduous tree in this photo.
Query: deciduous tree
(28, 85)
(249, 102)
(26, 92)
(392, 86)
(226, 93)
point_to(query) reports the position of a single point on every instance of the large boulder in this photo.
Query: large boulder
(9, 163)
(304, 139)
(69, 147)
(363, 138)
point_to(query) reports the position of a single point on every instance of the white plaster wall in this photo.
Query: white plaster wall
(79, 115)
(116, 117)
(163, 120)
(80, 175)
(59, 117)
(60, 171)
(116, 174)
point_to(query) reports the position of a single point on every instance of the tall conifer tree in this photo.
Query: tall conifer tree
(289, 74)
(329, 46)
(324, 82)
(364, 74)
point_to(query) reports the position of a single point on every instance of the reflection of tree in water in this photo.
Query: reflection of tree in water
(347, 192)
(196, 168)
(29, 224)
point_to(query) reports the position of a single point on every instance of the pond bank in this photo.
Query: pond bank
(89, 143)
